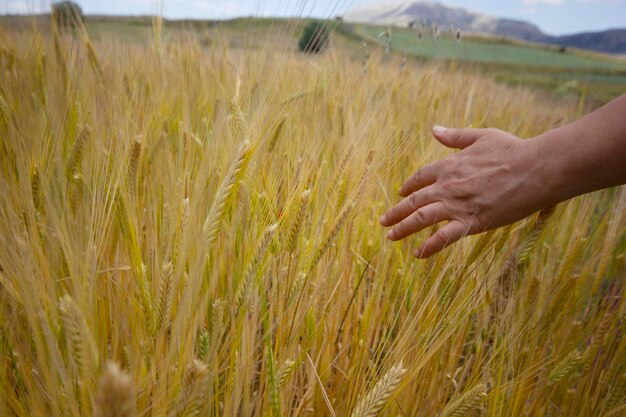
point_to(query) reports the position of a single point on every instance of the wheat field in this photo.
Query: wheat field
(191, 229)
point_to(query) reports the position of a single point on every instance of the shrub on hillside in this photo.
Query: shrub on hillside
(67, 13)
(314, 37)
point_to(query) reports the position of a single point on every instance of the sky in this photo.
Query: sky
(555, 17)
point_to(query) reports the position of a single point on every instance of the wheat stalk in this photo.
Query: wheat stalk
(195, 384)
(7, 289)
(617, 392)
(480, 246)
(272, 382)
(73, 164)
(467, 403)
(618, 411)
(59, 54)
(520, 257)
(133, 164)
(295, 286)
(35, 189)
(178, 234)
(377, 397)
(92, 56)
(6, 115)
(341, 193)
(566, 367)
(243, 295)
(284, 372)
(235, 105)
(203, 346)
(164, 299)
(537, 230)
(41, 79)
(217, 317)
(115, 396)
(83, 352)
(276, 135)
(212, 222)
(339, 223)
(297, 222)
(591, 353)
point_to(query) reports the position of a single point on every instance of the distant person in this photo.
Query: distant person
(498, 178)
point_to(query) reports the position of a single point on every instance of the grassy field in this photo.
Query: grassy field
(189, 226)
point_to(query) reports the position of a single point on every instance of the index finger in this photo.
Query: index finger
(407, 206)
(420, 179)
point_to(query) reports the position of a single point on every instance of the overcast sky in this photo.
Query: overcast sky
(552, 16)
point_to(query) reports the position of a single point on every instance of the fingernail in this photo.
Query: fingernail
(390, 234)
(439, 130)
(383, 219)
(418, 253)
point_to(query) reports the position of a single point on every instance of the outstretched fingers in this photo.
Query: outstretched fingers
(407, 206)
(448, 234)
(419, 220)
(422, 206)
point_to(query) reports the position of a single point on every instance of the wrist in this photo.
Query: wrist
(547, 170)
(563, 164)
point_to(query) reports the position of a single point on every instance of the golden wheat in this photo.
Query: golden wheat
(378, 396)
(142, 252)
(115, 396)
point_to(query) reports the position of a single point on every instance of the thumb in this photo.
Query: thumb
(457, 138)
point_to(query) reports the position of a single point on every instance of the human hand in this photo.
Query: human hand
(496, 179)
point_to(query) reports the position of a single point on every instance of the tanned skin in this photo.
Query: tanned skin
(497, 178)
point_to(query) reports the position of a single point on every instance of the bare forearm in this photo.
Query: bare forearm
(587, 155)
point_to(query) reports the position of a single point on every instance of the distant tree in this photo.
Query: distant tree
(314, 37)
(562, 49)
(67, 13)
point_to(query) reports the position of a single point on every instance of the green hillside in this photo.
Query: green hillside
(597, 77)
(405, 40)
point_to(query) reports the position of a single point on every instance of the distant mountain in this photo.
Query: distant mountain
(611, 41)
(405, 12)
